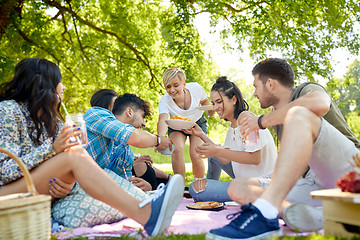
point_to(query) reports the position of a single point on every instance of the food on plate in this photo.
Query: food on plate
(180, 118)
(209, 205)
(350, 182)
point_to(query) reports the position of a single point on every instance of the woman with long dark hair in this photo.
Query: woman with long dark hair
(30, 127)
(250, 158)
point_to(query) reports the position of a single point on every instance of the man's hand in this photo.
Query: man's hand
(248, 123)
(146, 159)
(59, 189)
(164, 143)
(140, 183)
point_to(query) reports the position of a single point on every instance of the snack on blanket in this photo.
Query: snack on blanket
(350, 182)
(209, 205)
(180, 118)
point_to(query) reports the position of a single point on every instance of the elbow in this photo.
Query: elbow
(322, 103)
(256, 162)
(323, 110)
(256, 158)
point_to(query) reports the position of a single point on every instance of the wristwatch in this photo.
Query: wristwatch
(158, 140)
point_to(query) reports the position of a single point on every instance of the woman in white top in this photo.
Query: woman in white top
(253, 157)
(182, 99)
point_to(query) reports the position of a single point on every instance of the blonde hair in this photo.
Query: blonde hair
(172, 73)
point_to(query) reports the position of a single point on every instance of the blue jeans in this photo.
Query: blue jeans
(215, 167)
(215, 190)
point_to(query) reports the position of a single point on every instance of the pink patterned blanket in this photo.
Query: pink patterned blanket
(185, 221)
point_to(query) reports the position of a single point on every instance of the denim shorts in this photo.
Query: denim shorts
(202, 122)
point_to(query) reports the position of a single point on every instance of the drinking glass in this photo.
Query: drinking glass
(78, 120)
(252, 138)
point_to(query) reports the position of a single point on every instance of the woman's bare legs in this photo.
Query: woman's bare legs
(177, 158)
(76, 164)
(198, 166)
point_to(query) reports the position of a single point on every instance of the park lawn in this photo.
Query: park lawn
(202, 237)
(162, 159)
(159, 158)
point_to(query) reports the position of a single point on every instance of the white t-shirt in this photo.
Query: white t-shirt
(197, 93)
(233, 141)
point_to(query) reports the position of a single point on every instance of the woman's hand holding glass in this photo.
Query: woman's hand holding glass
(62, 142)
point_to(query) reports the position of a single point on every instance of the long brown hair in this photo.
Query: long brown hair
(34, 83)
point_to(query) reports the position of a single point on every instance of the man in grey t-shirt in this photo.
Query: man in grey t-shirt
(316, 148)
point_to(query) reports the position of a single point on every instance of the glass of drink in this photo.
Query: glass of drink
(252, 138)
(78, 120)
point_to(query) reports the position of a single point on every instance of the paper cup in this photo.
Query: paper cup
(167, 151)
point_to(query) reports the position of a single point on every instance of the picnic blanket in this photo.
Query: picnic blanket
(184, 221)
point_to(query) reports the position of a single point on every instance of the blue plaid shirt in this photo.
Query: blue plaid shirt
(107, 141)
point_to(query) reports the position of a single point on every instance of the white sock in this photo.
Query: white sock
(266, 208)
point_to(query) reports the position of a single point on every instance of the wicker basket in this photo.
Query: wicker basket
(24, 215)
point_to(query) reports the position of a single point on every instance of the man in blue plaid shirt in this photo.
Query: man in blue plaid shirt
(109, 141)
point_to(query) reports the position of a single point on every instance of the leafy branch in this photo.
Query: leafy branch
(27, 39)
(139, 55)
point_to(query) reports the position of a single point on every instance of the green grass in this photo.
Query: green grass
(158, 157)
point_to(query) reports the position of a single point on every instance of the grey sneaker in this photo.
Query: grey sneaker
(303, 217)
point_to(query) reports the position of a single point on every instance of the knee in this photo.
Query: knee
(194, 155)
(237, 189)
(300, 116)
(196, 188)
(178, 150)
(140, 168)
(77, 153)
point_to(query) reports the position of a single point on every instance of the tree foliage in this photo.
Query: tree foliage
(121, 45)
(346, 93)
(127, 45)
(303, 31)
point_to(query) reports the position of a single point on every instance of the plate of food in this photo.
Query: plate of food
(205, 107)
(178, 123)
(209, 205)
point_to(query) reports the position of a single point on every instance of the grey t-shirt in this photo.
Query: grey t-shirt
(334, 116)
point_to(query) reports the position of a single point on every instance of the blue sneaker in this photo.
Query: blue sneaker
(248, 224)
(164, 202)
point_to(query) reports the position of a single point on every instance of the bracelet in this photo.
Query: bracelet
(158, 140)
(259, 122)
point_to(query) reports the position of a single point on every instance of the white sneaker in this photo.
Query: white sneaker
(303, 217)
